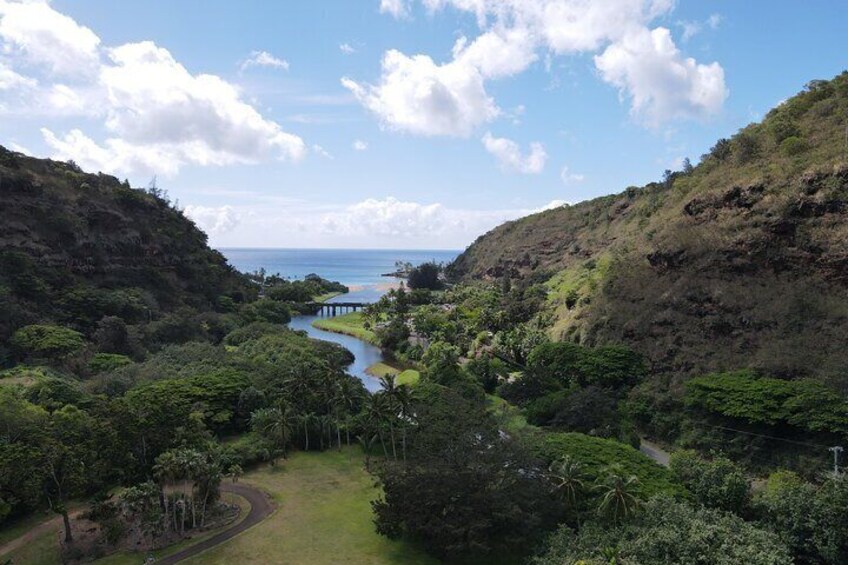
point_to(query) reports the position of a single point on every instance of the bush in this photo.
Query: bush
(719, 483)
(792, 146)
(105, 362)
(54, 343)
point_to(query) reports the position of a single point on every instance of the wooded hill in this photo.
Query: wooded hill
(739, 262)
(75, 247)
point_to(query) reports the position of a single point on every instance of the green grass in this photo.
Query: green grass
(511, 417)
(324, 516)
(348, 324)
(408, 377)
(327, 296)
(42, 550)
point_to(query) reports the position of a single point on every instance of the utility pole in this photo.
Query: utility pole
(837, 451)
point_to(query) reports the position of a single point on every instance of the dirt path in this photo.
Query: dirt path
(260, 508)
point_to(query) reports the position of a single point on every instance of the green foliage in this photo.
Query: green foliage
(804, 404)
(466, 490)
(425, 276)
(809, 518)
(668, 532)
(104, 362)
(52, 343)
(266, 310)
(718, 483)
(568, 363)
(792, 146)
(598, 454)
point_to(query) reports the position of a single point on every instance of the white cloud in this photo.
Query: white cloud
(347, 48)
(390, 218)
(510, 157)
(264, 59)
(214, 221)
(715, 20)
(397, 8)
(413, 94)
(360, 145)
(318, 150)
(552, 205)
(48, 38)
(418, 96)
(158, 116)
(649, 69)
(569, 177)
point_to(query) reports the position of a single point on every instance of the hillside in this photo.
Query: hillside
(741, 261)
(75, 247)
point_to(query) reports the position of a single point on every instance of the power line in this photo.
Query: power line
(814, 445)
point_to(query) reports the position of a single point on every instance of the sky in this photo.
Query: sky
(416, 124)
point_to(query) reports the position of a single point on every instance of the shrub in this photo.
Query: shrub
(792, 146)
(104, 362)
(47, 342)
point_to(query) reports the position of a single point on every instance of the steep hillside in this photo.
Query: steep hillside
(739, 262)
(75, 247)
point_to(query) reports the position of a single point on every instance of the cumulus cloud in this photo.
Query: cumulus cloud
(552, 205)
(396, 8)
(649, 69)
(158, 116)
(509, 155)
(347, 48)
(214, 221)
(318, 150)
(418, 96)
(360, 145)
(48, 38)
(264, 59)
(389, 218)
(414, 92)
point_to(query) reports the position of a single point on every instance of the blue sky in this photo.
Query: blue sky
(395, 123)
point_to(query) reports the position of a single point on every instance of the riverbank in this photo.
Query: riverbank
(352, 324)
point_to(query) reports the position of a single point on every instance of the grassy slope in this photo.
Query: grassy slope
(324, 516)
(407, 377)
(741, 263)
(347, 324)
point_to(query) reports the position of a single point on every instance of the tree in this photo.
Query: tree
(51, 343)
(465, 490)
(668, 532)
(619, 496)
(275, 425)
(425, 275)
(569, 480)
(718, 483)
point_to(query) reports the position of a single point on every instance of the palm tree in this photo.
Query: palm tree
(403, 395)
(275, 424)
(388, 382)
(568, 478)
(620, 498)
(376, 410)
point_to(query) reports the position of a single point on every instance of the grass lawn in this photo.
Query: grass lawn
(41, 550)
(510, 416)
(324, 516)
(348, 324)
(327, 296)
(408, 377)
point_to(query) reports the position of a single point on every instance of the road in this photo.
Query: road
(655, 452)
(260, 508)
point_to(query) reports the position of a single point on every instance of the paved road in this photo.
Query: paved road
(260, 508)
(655, 452)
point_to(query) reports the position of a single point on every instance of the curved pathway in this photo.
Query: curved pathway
(260, 508)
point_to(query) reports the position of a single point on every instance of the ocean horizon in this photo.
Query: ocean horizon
(360, 269)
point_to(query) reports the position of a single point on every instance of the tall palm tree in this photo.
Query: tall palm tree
(620, 496)
(404, 396)
(389, 385)
(376, 409)
(275, 424)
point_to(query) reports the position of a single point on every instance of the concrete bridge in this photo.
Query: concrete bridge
(335, 308)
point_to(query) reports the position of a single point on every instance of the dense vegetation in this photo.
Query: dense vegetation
(736, 262)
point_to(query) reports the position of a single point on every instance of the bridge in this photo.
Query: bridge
(334, 308)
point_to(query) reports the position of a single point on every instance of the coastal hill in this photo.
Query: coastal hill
(75, 247)
(741, 261)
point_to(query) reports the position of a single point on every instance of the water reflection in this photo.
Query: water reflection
(365, 353)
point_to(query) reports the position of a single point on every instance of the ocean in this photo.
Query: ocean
(360, 269)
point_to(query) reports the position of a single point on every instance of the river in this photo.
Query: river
(365, 354)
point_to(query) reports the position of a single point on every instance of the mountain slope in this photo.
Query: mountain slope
(75, 247)
(741, 262)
